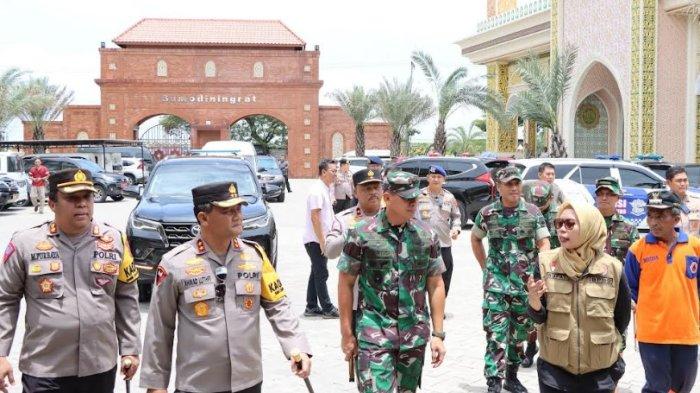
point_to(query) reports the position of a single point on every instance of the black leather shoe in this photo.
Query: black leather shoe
(512, 384)
(530, 353)
(494, 384)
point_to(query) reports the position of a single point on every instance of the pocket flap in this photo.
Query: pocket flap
(247, 287)
(39, 268)
(558, 334)
(109, 268)
(600, 291)
(559, 286)
(199, 293)
(602, 337)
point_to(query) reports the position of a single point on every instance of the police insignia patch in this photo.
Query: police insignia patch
(199, 293)
(246, 266)
(96, 267)
(95, 231)
(46, 285)
(200, 247)
(102, 281)
(248, 303)
(8, 252)
(201, 309)
(193, 261)
(52, 228)
(110, 268)
(43, 246)
(194, 270)
(249, 287)
(106, 239)
(161, 274)
(35, 268)
(245, 256)
(104, 246)
(55, 266)
(236, 244)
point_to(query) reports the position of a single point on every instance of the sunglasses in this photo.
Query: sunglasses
(220, 288)
(569, 223)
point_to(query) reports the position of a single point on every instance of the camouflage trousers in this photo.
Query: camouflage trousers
(382, 370)
(507, 325)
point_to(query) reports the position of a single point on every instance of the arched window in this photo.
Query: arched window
(258, 70)
(210, 69)
(337, 144)
(82, 135)
(162, 68)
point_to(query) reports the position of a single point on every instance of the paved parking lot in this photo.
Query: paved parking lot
(463, 367)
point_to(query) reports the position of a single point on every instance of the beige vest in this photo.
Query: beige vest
(579, 334)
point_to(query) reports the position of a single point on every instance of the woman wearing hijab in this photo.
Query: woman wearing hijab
(580, 300)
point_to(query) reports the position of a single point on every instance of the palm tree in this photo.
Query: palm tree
(42, 103)
(541, 101)
(454, 91)
(461, 140)
(10, 97)
(403, 108)
(360, 106)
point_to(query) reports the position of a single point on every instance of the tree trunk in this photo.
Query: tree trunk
(359, 140)
(38, 135)
(440, 140)
(395, 145)
(558, 149)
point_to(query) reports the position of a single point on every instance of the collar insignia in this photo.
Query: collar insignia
(43, 246)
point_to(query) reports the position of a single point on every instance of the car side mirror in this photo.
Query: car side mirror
(134, 191)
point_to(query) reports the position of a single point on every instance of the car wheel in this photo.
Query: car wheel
(145, 291)
(25, 203)
(130, 179)
(100, 194)
(463, 213)
(117, 198)
(281, 197)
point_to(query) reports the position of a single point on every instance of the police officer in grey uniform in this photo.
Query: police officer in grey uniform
(79, 283)
(215, 286)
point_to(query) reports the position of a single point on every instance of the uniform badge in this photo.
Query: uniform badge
(110, 268)
(161, 274)
(249, 287)
(200, 247)
(553, 266)
(199, 293)
(52, 228)
(201, 309)
(95, 230)
(55, 266)
(236, 244)
(232, 190)
(245, 256)
(43, 246)
(79, 176)
(96, 267)
(370, 174)
(248, 303)
(106, 239)
(35, 268)
(46, 285)
(8, 252)
(194, 270)
(246, 266)
(104, 246)
(102, 281)
(193, 261)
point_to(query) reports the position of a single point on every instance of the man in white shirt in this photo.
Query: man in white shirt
(319, 219)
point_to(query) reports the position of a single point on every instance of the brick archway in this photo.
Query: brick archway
(211, 73)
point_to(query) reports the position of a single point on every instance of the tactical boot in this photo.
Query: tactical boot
(512, 384)
(494, 384)
(530, 353)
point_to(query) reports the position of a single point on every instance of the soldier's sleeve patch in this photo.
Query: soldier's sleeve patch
(8, 252)
(128, 272)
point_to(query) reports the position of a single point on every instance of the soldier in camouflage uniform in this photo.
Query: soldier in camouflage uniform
(621, 232)
(516, 230)
(397, 260)
(539, 193)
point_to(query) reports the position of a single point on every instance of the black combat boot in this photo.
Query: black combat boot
(494, 384)
(530, 353)
(512, 384)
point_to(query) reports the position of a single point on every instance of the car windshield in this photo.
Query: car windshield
(89, 165)
(269, 164)
(178, 180)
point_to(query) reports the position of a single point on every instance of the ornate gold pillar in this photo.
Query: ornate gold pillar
(501, 139)
(531, 138)
(554, 28)
(643, 78)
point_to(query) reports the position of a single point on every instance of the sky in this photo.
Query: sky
(361, 41)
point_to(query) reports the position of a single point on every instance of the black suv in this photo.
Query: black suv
(107, 184)
(164, 217)
(467, 178)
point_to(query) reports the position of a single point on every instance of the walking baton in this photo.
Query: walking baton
(127, 365)
(351, 369)
(296, 356)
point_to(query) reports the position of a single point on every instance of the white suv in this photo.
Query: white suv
(134, 169)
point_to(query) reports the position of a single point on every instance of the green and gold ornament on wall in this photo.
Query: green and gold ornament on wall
(588, 116)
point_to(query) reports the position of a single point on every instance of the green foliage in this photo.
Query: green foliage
(360, 106)
(42, 102)
(546, 87)
(11, 97)
(262, 130)
(172, 123)
(453, 92)
(462, 140)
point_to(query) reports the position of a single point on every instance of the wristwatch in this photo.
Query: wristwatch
(440, 335)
